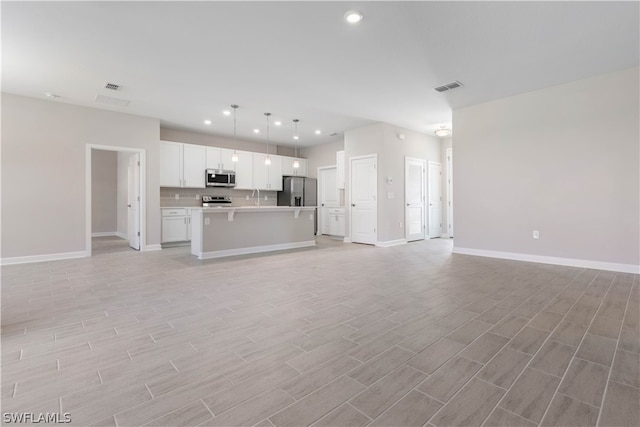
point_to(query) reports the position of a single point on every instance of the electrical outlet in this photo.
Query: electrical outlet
(177, 196)
(536, 234)
(266, 197)
(246, 197)
(197, 197)
(400, 225)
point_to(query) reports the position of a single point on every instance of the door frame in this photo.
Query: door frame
(142, 191)
(428, 212)
(449, 206)
(319, 207)
(424, 194)
(374, 156)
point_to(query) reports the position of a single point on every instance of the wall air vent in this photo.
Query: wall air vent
(113, 101)
(448, 86)
(112, 86)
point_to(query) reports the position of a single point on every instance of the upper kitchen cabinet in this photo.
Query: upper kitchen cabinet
(289, 170)
(244, 171)
(220, 158)
(182, 165)
(267, 177)
(340, 169)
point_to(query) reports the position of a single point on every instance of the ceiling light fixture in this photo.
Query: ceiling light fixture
(443, 132)
(234, 156)
(51, 95)
(207, 122)
(318, 132)
(227, 112)
(353, 16)
(277, 123)
(296, 162)
(267, 160)
(256, 131)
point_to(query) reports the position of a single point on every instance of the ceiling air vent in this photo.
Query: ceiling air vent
(112, 86)
(113, 101)
(448, 86)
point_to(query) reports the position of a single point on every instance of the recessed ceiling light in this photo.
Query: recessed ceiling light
(207, 122)
(296, 137)
(256, 131)
(51, 95)
(277, 123)
(318, 132)
(226, 112)
(353, 16)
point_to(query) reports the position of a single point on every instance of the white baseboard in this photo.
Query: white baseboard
(569, 262)
(255, 249)
(347, 240)
(103, 234)
(122, 235)
(389, 243)
(444, 236)
(43, 258)
(148, 248)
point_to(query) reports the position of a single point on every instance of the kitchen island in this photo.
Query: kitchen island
(227, 231)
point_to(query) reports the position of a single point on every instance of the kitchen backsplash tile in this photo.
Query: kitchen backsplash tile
(192, 197)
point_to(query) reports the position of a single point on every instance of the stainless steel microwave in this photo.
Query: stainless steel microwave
(220, 178)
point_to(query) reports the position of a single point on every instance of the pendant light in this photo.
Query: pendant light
(267, 160)
(296, 162)
(234, 156)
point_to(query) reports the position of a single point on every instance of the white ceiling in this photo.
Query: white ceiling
(183, 62)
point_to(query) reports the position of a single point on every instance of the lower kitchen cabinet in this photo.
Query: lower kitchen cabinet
(332, 221)
(176, 225)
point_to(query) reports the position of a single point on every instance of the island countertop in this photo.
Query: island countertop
(236, 230)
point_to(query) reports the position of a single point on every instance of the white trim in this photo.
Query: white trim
(149, 248)
(255, 249)
(122, 235)
(569, 262)
(104, 234)
(42, 258)
(347, 240)
(389, 243)
(143, 192)
(444, 236)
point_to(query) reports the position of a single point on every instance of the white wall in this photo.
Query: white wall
(43, 155)
(320, 155)
(382, 139)
(562, 160)
(104, 191)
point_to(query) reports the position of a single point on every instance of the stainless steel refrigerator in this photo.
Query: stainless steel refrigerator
(299, 191)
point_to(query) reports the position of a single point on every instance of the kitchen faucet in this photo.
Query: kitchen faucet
(257, 202)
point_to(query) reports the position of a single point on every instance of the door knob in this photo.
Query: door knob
(353, 204)
(408, 204)
(129, 205)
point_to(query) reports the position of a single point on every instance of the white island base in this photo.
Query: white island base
(227, 231)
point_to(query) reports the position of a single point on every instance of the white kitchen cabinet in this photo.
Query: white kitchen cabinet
(220, 158)
(171, 164)
(194, 165)
(289, 170)
(324, 221)
(175, 225)
(340, 169)
(244, 171)
(336, 221)
(267, 177)
(182, 165)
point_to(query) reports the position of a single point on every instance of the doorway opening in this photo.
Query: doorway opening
(115, 199)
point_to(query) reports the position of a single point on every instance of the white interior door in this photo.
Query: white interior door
(450, 192)
(328, 195)
(364, 204)
(414, 171)
(435, 200)
(133, 226)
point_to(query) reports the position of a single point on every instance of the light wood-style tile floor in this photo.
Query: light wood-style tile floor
(337, 335)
